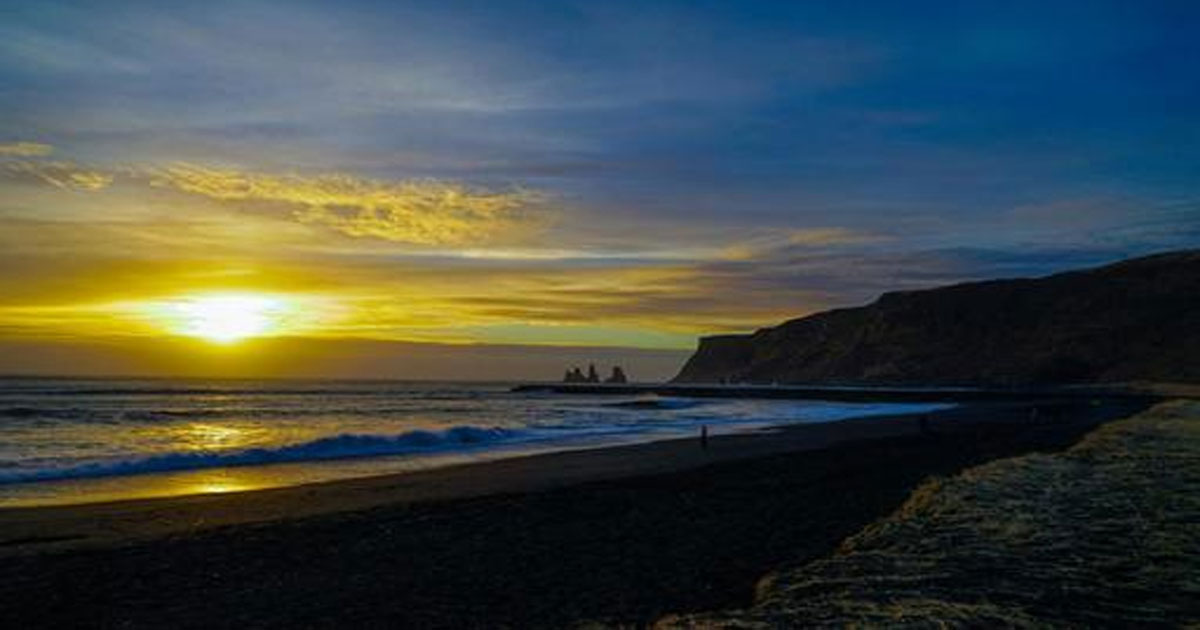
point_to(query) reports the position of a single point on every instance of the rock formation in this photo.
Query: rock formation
(618, 376)
(1137, 320)
(574, 375)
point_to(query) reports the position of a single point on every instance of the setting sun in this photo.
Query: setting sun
(228, 318)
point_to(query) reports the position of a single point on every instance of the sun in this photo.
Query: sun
(228, 318)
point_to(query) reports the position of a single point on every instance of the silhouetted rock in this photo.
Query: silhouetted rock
(592, 375)
(1135, 320)
(618, 376)
(574, 375)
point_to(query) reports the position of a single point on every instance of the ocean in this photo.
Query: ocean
(66, 441)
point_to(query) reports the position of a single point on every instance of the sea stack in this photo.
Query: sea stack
(618, 375)
(574, 375)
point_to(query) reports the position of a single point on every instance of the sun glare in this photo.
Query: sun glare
(228, 318)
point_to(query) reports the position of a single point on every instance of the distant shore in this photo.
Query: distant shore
(624, 534)
(871, 393)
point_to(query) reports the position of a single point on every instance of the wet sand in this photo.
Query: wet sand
(620, 535)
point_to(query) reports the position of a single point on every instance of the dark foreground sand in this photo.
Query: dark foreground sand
(1105, 534)
(620, 535)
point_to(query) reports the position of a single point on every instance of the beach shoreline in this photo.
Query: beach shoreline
(540, 529)
(36, 529)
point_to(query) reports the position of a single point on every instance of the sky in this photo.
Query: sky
(497, 190)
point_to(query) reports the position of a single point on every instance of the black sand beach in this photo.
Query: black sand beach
(1101, 535)
(621, 536)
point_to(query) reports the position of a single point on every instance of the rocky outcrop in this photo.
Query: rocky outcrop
(575, 375)
(1137, 320)
(618, 376)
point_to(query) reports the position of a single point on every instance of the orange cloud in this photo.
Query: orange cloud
(421, 212)
(102, 262)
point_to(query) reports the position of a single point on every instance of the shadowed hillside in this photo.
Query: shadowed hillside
(1130, 321)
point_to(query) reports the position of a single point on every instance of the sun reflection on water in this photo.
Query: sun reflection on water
(214, 481)
(201, 436)
(216, 487)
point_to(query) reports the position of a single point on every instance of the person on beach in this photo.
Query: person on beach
(704, 436)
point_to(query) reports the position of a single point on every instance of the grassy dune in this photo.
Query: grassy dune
(1104, 534)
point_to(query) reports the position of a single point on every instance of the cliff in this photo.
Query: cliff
(1137, 320)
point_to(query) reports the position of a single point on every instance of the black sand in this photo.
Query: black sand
(620, 550)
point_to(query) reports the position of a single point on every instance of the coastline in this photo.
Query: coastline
(624, 534)
(37, 529)
(873, 393)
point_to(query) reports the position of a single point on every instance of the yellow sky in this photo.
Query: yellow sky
(223, 255)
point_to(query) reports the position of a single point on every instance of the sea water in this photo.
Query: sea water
(82, 440)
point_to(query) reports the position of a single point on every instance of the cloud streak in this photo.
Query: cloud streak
(25, 149)
(420, 212)
(60, 174)
(425, 211)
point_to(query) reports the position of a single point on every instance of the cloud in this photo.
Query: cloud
(798, 239)
(25, 149)
(60, 174)
(70, 278)
(596, 277)
(426, 211)
(420, 211)
(66, 175)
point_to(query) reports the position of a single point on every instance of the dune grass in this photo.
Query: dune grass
(1106, 534)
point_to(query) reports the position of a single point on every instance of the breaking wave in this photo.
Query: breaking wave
(334, 447)
(657, 403)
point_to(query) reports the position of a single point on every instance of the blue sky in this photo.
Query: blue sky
(774, 158)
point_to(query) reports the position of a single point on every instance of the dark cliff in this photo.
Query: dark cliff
(1137, 320)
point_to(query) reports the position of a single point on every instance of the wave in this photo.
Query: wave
(20, 412)
(346, 445)
(656, 403)
(184, 390)
(69, 413)
(79, 414)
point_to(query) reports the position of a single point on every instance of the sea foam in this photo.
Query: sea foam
(334, 447)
